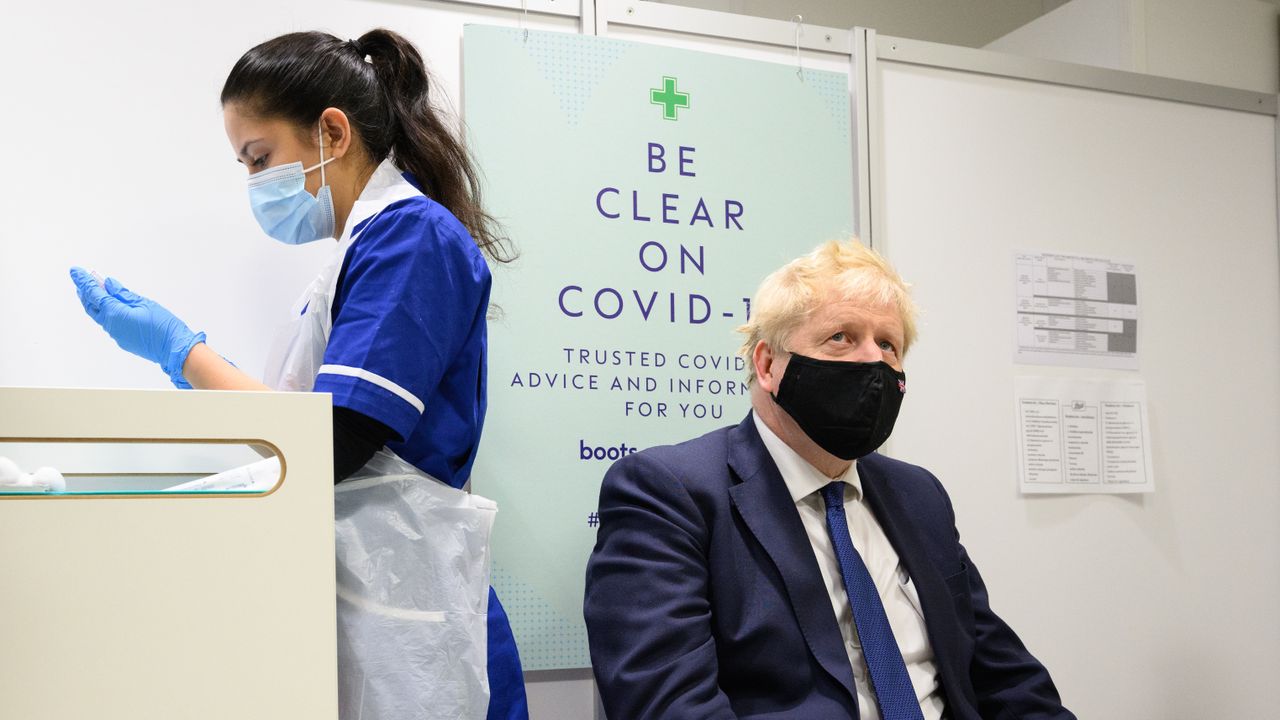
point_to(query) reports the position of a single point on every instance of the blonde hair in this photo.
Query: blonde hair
(789, 294)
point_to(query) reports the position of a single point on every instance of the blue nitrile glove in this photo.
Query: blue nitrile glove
(141, 326)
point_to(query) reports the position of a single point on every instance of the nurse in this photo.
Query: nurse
(342, 142)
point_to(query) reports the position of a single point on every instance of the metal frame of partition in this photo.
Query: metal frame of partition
(723, 25)
(919, 52)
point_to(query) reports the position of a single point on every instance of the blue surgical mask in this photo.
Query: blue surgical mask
(284, 208)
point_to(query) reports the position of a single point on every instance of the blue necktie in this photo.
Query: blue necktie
(889, 678)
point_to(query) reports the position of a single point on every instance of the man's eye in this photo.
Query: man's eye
(839, 337)
(260, 161)
(888, 346)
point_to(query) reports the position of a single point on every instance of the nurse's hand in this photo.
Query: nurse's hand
(141, 326)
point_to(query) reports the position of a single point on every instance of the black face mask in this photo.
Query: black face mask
(847, 408)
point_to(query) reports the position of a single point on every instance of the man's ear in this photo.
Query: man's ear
(336, 132)
(769, 367)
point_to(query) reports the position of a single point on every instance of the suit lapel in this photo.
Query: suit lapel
(939, 612)
(765, 505)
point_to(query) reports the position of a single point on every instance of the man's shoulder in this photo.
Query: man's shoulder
(913, 483)
(708, 452)
(699, 465)
(895, 468)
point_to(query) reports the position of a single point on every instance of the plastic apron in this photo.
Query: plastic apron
(412, 552)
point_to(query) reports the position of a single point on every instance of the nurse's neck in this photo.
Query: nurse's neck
(346, 188)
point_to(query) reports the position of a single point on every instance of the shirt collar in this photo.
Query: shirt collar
(385, 186)
(802, 479)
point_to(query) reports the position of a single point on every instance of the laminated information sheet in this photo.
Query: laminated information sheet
(1076, 310)
(1082, 436)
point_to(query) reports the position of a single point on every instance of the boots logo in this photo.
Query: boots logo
(669, 98)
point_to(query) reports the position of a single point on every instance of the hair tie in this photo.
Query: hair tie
(356, 46)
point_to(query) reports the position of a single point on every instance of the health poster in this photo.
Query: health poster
(647, 190)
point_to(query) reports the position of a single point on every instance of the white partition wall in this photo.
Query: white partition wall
(1156, 606)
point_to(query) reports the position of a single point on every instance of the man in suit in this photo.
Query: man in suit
(782, 569)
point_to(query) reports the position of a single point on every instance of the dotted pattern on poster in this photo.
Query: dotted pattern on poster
(573, 68)
(833, 88)
(562, 643)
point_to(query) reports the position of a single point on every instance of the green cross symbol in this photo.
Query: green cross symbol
(668, 98)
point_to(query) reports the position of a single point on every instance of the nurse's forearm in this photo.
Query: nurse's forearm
(206, 370)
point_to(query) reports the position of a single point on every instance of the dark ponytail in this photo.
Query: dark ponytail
(387, 100)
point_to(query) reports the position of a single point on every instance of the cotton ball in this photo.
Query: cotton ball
(50, 479)
(9, 472)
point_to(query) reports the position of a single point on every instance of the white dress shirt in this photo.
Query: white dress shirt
(901, 603)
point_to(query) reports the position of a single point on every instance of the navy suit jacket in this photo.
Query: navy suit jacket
(704, 599)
